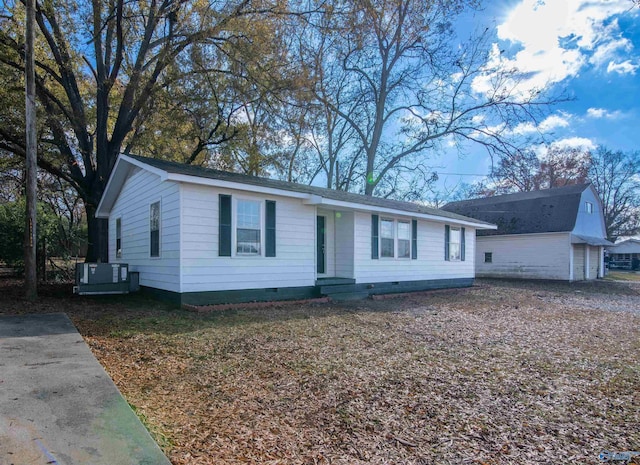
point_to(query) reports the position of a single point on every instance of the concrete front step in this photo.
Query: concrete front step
(334, 281)
(340, 289)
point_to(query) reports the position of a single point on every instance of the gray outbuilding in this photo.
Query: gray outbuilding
(554, 234)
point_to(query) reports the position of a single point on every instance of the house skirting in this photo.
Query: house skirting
(361, 290)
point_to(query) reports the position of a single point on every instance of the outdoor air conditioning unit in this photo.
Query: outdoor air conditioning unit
(101, 278)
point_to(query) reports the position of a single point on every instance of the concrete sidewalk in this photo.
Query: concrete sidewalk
(57, 404)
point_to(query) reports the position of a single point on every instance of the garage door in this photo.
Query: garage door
(594, 262)
(578, 262)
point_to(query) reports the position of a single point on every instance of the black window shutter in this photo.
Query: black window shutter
(414, 239)
(374, 236)
(462, 245)
(270, 230)
(224, 227)
(446, 242)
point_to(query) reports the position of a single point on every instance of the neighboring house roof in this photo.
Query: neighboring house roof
(549, 210)
(310, 194)
(628, 246)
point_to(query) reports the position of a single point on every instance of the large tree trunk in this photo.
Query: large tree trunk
(97, 235)
(98, 229)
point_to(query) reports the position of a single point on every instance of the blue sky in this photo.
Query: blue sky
(588, 48)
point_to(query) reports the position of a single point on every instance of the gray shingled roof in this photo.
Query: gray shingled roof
(549, 210)
(189, 170)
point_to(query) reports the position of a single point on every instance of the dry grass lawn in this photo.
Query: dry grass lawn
(503, 373)
(617, 275)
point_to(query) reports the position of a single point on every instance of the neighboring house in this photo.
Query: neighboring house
(625, 255)
(203, 236)
(549, 234)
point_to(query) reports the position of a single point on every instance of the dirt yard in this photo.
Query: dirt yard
(503, 373)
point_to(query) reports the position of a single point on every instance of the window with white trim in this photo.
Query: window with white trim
(387, 239)
(588, 206)
(488, 257)
(454, 244)
(118, 237)
(154, 228)
(248, 227)
(404, 239)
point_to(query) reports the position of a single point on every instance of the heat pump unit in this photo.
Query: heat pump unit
(101, 278)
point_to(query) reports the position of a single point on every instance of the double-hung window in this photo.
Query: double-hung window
(454, 247)
(387, 240)
(454, 244)
(118, 237)
(154, 228)
(391, 238)
(245, 224)
(248, 230)
(404, 239)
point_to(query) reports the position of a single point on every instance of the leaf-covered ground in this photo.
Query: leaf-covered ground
(503, 373)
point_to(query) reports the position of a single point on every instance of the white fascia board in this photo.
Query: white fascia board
(498, 236)
(115, 173)
(313, 199)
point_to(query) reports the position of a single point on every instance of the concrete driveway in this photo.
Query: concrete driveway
(58, 405)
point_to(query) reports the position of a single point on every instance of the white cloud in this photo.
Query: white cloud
(525, 128)
(606, 51)
(556, 39)
(550, 123)
(575, 143)
(598, 113)
(626, 67)
(554, 121)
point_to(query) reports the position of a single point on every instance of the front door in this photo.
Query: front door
(320, 247)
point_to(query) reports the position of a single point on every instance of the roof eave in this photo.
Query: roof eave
(116, 180)
(318, 200)
(118, 176)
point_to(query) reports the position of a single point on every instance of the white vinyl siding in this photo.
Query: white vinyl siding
(204, 270)
(139, 191)
(529, 256)
(430, 263)
(590, 224)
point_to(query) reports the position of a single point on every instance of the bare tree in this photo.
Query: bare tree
(616, 177)
(527, 171)
(410, 86)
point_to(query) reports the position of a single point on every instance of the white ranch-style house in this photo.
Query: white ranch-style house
(202, 236)
(556, 234)
(625, 255)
